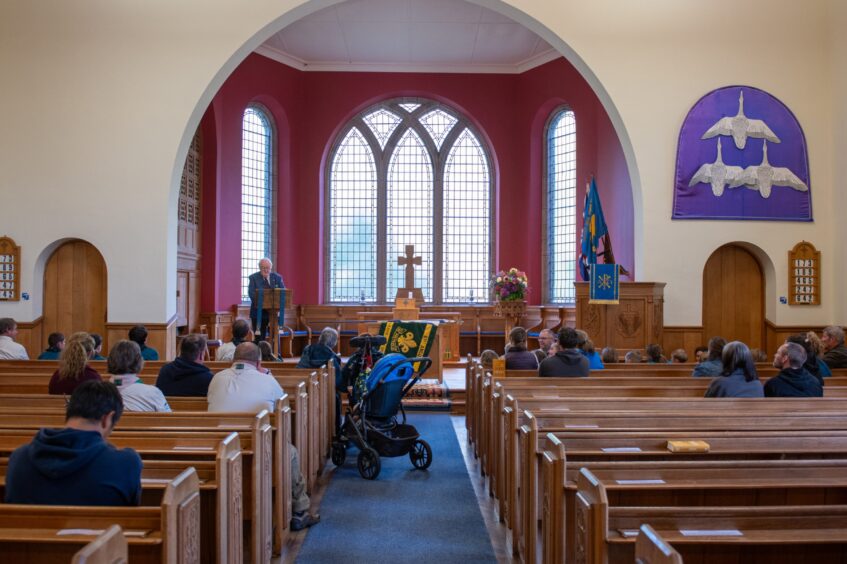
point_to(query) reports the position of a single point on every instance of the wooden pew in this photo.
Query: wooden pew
(609, 530)
(169, 533)
(651, 548)
(108, 548)
(260, 459)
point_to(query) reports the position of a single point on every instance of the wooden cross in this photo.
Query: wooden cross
(410, 260)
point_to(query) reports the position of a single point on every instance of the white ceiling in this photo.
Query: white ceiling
(408, 36)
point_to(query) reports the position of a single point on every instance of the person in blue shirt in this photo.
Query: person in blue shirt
(138, 334)
(55, 344)
(713, 365)
(586, 347)
(75, 465)
(98, 347)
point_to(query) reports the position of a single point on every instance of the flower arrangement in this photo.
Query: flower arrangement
(510, 286)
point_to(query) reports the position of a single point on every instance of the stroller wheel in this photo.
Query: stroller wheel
(369, 464)
(421, 454)
(339, 454)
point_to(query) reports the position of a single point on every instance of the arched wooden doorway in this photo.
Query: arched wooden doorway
(734, 297)
(75, 291)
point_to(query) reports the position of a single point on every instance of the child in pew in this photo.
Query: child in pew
(55, 344)
(487, 358)
(246, 386)
(73, 365)
(138, 335)
(75, 465)
(98, 347)
(124, 364)
(267, 352)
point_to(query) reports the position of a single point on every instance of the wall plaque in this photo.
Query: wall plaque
(10, 270)
(804, 275)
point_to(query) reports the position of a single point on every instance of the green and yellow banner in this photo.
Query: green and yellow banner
(409, 338)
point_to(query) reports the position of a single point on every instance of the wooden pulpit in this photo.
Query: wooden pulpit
(635, 322)
(273, 300)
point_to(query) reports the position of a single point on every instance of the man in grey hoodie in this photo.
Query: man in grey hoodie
(75, 465)
(568, 361)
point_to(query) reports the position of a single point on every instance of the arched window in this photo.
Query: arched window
(257, 191)
(560, 160)
(409, 172)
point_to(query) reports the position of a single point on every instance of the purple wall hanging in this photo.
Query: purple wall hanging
(741, 155)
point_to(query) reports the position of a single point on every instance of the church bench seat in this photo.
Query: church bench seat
(777, 532)
(169, 442)
(651, 548)
(110, 547)
(220, 498)
(168, 534)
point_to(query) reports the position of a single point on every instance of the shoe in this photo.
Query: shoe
(303, 520)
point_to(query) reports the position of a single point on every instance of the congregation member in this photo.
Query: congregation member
(632, 357)
(73, 365)
(55, 344)
(518, 357)
(322, 352)
(98, 347)
(487, 358)
(701, 353)
(248, 387)
(267, 352)
(654, 354)
(679, 356)
(75, 465)
(546, 338)
(759, 355)
(814, 346)
(187, 375)
(138, 335)
(586, 347)
(793, 379)
(9, 349)
(609, 355)
(738, 378)
(833, 342)
(568, 360)
(540, 356)
(265, 279)
(125, 364)
(713, 365)
(240, 330)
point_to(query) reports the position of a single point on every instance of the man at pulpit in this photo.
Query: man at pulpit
(264, 279)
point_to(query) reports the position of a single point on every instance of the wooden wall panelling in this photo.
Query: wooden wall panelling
(218, 325)
(683, 337)
(30, 336)
(75, 291)
(160, 336)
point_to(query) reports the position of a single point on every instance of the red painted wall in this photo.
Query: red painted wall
(510, 111)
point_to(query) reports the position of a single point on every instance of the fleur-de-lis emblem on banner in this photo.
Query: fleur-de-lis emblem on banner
(406, 342)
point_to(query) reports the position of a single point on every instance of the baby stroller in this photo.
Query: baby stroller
(371, 422)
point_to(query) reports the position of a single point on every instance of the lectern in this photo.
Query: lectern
(271, 300)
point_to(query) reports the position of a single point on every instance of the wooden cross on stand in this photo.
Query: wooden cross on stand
(410, 260)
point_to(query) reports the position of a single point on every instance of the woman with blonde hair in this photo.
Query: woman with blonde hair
(73, 365)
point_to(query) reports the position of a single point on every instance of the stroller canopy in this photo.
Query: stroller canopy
(390, 368)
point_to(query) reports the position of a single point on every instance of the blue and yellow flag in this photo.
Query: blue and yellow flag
(593, 229)
(604, 287)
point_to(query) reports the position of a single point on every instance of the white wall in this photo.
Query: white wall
(100, 98)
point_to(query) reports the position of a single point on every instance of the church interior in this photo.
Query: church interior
(382, 152)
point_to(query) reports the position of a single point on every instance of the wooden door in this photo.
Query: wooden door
(734, 297)
(75, 291)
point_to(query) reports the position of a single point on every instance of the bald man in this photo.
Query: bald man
(264, 279)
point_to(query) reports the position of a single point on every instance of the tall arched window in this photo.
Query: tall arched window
(561, 206)
(409, 172)
(257, 191)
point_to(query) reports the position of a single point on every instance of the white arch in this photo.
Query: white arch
(507, 9)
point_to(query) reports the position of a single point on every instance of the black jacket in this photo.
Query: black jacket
(793, 382)
(568, 363)
(184, 378)
(836, 357)
(317, 355)
(71, 467)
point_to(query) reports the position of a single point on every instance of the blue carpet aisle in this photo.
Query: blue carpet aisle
(405, 515)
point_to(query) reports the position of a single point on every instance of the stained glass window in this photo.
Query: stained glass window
(561, 207)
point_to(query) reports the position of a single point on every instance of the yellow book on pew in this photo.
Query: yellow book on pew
(688, 446)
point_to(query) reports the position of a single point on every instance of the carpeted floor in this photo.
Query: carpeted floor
(405, 515)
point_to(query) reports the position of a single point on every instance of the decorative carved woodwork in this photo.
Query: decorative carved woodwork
(631, 324)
